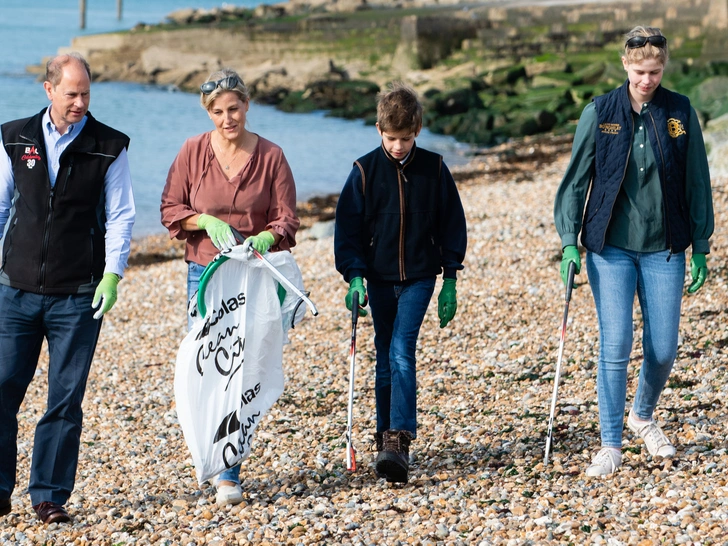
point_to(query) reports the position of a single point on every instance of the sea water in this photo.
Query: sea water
(320, 149)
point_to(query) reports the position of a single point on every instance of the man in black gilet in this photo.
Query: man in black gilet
(66, 213)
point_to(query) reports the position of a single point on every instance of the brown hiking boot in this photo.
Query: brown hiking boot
(379, 441)
(378, 445)
(393, 458)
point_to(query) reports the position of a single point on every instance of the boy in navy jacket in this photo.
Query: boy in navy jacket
(399, 224)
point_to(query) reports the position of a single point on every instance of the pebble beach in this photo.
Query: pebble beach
(485, 385)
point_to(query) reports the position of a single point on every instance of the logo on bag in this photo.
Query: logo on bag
(249, 395)
(30, 156)
(230, 423)
(675, 128)
(227, 360)
(226, 306)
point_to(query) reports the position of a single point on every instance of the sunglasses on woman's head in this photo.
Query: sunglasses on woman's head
(229, 82)
(640, 41)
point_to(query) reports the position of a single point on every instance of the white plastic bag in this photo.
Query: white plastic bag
(229, 366)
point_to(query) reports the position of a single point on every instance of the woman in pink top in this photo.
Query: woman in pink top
(228, 177)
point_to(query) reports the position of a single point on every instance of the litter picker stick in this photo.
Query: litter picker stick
(277, 274)
(549, 434)
(350, 453)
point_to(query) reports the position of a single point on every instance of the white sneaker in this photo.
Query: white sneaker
(657, 443)
(606, 462)
(229, 494)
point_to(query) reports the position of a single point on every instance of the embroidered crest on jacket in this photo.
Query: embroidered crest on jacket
(610, 128)
(675, 127)
(30, 156)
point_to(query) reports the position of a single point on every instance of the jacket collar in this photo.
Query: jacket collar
(400, 165)
(658, 99)
(84, 142)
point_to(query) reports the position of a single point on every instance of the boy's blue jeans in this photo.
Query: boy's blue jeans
(398, 310)
(194, 272)
(615, 275)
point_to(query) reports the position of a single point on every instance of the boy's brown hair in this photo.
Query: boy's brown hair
(399, 109)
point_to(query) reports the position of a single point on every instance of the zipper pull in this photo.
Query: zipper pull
(68, 176)
(50, 198)
(669, 255)
(401, 171)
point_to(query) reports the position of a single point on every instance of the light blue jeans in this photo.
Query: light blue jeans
(194, 272)
(398, 310)
(615, 275)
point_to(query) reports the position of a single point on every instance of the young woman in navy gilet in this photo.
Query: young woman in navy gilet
(639, 155)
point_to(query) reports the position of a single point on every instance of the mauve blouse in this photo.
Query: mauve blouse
(261, 196)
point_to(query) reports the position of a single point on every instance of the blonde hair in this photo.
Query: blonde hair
(648, 51)
(399, 109)
(241, 90)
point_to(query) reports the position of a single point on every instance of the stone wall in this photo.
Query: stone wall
(717, 16)
(292, 52)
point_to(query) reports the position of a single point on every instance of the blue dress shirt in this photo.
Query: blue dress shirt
(119, 198)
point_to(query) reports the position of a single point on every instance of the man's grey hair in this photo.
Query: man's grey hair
(54, 67)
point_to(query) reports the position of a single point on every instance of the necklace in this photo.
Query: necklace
(232, 159)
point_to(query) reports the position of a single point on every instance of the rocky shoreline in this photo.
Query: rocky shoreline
(484, 394)
(489, 71)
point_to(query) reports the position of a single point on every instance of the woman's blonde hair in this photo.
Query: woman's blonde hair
(648, 51)
(240, 89)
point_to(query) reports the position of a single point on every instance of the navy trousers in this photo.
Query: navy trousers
(67, 323)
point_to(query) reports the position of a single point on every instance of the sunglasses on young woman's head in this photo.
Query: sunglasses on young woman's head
(640, 41)
(229, 82)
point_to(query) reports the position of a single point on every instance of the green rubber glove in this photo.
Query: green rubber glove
(357, 285)
(698, 272)
(447, 302)
(219, 232)
(571, 254)
(105, 294)
(262, 242)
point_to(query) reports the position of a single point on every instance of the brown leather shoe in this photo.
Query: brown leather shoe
(5, 507)
(50, 512)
